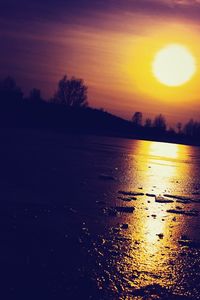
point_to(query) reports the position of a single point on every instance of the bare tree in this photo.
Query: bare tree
(148, 123)
(71, 92)
(137, 119)
(179, 127)
(160, 123)
(192, 128)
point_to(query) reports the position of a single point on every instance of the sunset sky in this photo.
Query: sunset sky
(111, 44)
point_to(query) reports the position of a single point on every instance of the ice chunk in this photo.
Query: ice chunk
(183, 212)
(131, 193)
(106, 177)
(150, 195)
(162, 199)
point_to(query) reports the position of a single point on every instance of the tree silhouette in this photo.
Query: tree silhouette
(148, 123)
(192, 129)
(10, 93)
(71, 92)
(137, 119)
(35, 95)
(159, 123)
(179, 127)
(33, 111)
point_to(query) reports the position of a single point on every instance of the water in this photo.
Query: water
(61, 235)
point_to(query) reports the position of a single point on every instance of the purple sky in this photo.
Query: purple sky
(43, 40)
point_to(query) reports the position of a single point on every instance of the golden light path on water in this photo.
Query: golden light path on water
(154, 228)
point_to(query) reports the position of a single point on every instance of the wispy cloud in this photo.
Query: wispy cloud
(43, 39)
(72, 11)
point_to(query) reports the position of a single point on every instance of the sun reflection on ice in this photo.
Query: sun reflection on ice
(164, 150)
(161, 165)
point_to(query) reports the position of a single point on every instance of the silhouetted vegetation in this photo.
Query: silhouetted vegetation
(137, 119)
(68, 110)
(160, 124)
(10, 93)
(71, 92)
(35, 96)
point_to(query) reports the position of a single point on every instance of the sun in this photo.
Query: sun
(173, 65)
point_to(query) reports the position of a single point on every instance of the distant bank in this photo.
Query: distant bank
(50, 116)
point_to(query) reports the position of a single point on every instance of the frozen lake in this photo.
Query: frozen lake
(64, 232)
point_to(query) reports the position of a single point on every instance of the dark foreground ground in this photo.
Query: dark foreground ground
(64, 232)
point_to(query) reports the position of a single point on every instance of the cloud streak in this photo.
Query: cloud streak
(41, 40)
(72, 11)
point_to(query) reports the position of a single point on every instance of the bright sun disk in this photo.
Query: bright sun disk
(173, 65)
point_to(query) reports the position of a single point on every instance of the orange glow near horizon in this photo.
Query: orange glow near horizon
(116, 65)
(162, 88)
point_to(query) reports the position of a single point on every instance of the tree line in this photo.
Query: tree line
(71, 92)
(69, 108)
(159, 123)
